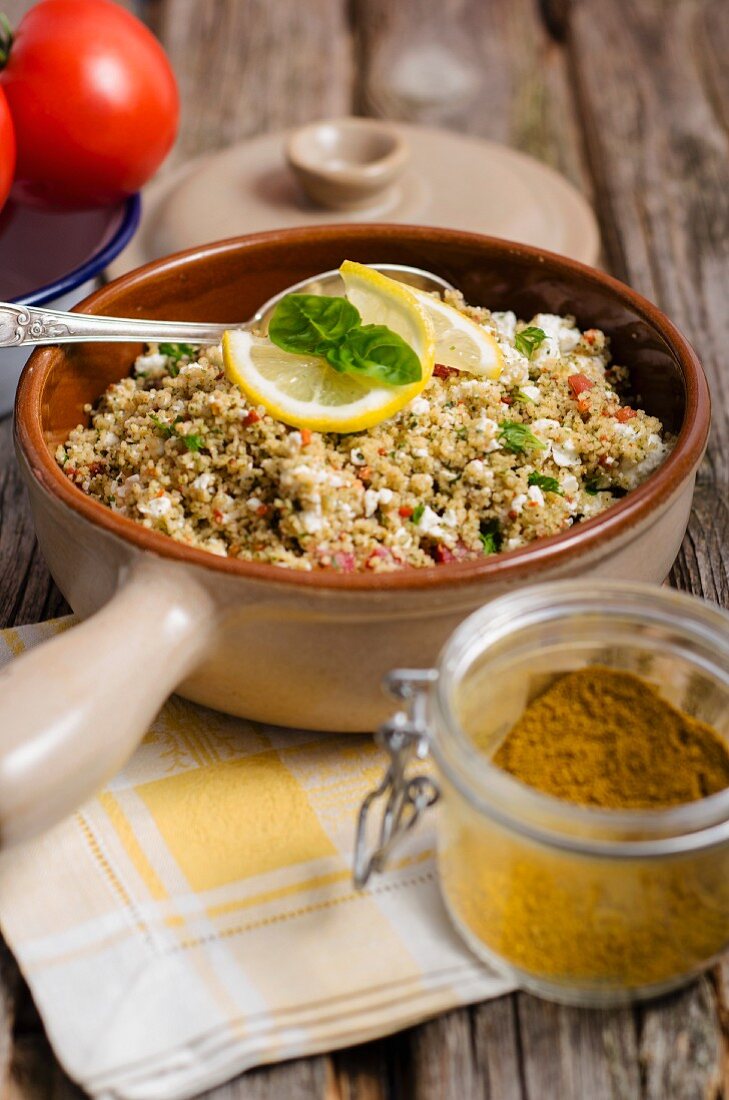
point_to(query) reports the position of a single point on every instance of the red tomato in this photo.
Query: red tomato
(579, 383)
(94, 102)
(7, 150)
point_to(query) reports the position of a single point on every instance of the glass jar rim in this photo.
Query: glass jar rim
(661, 832)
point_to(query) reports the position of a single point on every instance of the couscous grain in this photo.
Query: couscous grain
(471, 466)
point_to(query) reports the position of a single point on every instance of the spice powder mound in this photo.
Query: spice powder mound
(601, 737)
(572, 920)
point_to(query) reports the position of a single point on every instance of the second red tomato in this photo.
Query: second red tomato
(7, 150)
(94, 102)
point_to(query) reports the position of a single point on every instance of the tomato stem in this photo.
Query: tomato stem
(6, 39)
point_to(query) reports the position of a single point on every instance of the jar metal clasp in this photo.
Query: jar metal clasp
(405, 736)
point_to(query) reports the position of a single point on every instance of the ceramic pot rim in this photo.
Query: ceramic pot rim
(514, 565)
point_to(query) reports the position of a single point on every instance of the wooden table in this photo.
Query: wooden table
(630, 99)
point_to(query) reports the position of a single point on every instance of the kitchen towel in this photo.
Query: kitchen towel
(198, 916)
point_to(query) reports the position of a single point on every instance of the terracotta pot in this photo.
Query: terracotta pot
(278, 646)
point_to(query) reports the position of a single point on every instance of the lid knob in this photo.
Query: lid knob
(346, 163)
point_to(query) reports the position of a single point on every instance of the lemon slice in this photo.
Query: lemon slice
(461, 342)
(305, 392)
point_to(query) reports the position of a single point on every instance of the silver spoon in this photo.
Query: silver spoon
(21, 325)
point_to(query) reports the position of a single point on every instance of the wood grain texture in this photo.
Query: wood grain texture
(664, 208)
(245, 67)
(524, 99)
(571, 1052)
(681, 1051)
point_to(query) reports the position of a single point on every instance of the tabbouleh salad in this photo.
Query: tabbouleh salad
(470, 467)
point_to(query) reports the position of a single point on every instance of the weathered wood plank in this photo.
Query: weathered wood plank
(27, 592)
(442, 1064)
(660, 156)
(8, 994)
(681, 1049)
(497, 1049)
(36, 1075)
(367, 1072)
(569, 1053)
(525, 98)
(304, 1079)
(244, 67)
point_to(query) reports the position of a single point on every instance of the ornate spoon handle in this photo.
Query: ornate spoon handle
(21, 325)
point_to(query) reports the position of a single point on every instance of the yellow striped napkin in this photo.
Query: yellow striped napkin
(198, 917)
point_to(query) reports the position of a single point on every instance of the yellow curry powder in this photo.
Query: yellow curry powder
(598, 738)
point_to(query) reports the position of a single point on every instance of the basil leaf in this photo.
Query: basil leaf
(375, 351)
(166, 429)
(516, 437)
(529, 339)
(548, 484)
(418, 513)
(193, 442)
(177, 351)
(307, 324)
(490, 535)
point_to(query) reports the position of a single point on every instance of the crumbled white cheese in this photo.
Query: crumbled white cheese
(357, 457)
(626, 430)
(204, 481)
(419, 405)
(431, 523)
(517, 504)
(532, 392)
(373, 498)
(153, 364)
(505, 324)
(569, 484)
(157, 507)
(535, 495)
(311, 522)
(565, 453)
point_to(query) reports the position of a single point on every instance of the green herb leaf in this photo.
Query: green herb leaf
(175, 352)
(529, 339)
(193, 442)
(491, 537)
(418, 511)
(313, 324)
(166, 429)
(592, 487)
(376, 352)
(548, 484)
(308, 324)
(516, 437)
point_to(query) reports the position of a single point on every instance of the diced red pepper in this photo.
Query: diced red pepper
(579, 383)
(506, 400)
(381, 552)
(252, 418)
(589, 335)
(262, 510)
(217, 515)
(406, 511)
(344, 561)
(444, 554)
(305, 437)
(625, 413)
(440, 370)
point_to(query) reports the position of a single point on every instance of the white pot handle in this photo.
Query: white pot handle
(73, 710)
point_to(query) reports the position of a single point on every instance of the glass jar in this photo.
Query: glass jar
(581, 905)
